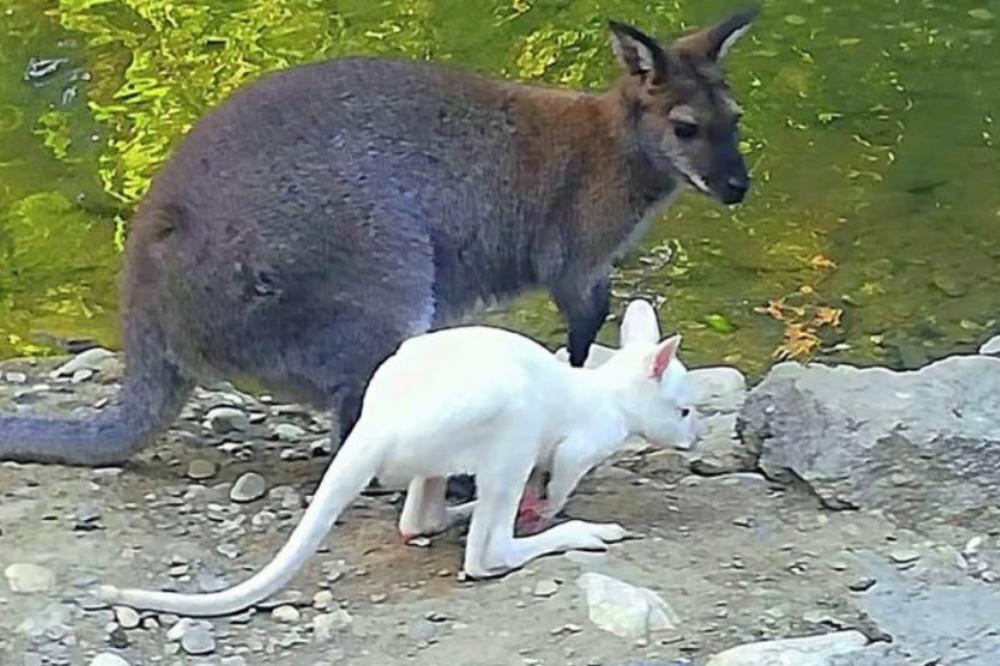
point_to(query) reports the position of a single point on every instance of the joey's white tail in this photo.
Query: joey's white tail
(348, 475)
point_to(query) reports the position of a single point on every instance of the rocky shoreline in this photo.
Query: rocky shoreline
(832, 516)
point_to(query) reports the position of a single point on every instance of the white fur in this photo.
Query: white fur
(487, 402)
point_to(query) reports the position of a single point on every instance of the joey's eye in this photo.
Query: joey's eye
(684, 130)
(685, 412)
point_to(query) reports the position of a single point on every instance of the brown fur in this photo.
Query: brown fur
(325, 213)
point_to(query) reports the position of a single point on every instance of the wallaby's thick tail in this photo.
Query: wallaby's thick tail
(153, 392)
(349, 473)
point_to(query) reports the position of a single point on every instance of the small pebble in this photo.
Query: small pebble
(126, 617)
(861, 584)
(200, 469)
(222, 420)
(286, 614)
(904, 555)
(248, 488)
(323, 600)
(198, 639)
(545, 588)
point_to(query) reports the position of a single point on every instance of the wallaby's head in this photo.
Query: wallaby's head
(682, 110)
(653, 384)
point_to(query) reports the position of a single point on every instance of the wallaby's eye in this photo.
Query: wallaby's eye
(685, 412)
(684, 130)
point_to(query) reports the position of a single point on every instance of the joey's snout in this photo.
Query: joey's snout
(691, 434)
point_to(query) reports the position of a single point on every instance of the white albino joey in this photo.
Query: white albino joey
(495, 404)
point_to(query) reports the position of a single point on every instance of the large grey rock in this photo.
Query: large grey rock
(720, 389)
(807, 651)
(935, 615)
(624, 609)
(991, 347)
(921, 445)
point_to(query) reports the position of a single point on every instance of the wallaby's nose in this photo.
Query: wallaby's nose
(736, 189)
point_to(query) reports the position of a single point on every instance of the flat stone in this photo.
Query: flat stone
(623, 609)
(422, 630)
(29, 578)
(809, 651)
(200, 469)
(199, 639)
(545, 588)
(16, 377)
(288, 432)
(226, 419)
(248, 488)
(82, 375)
(108, 659)
(95, 360)
(904, 555)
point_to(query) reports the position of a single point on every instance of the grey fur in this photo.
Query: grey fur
(323, 214)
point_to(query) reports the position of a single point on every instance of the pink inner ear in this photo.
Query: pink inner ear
(663, 357)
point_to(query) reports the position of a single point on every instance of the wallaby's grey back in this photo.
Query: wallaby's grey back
(325, 213)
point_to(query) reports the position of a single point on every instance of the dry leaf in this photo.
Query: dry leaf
(819, 261)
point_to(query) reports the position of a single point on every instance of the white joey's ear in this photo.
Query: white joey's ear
(639, 324)
(638, 53)
(661, 357)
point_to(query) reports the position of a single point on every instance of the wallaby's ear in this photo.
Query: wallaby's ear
(639, 324)
(638, 53)
(715, 41)
(665, 352)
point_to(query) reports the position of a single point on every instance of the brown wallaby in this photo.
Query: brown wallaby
(325, 213)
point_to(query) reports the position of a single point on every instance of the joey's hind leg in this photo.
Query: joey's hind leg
(425, 511)
(491, 548)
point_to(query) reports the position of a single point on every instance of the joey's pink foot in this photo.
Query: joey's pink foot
(532, 512)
